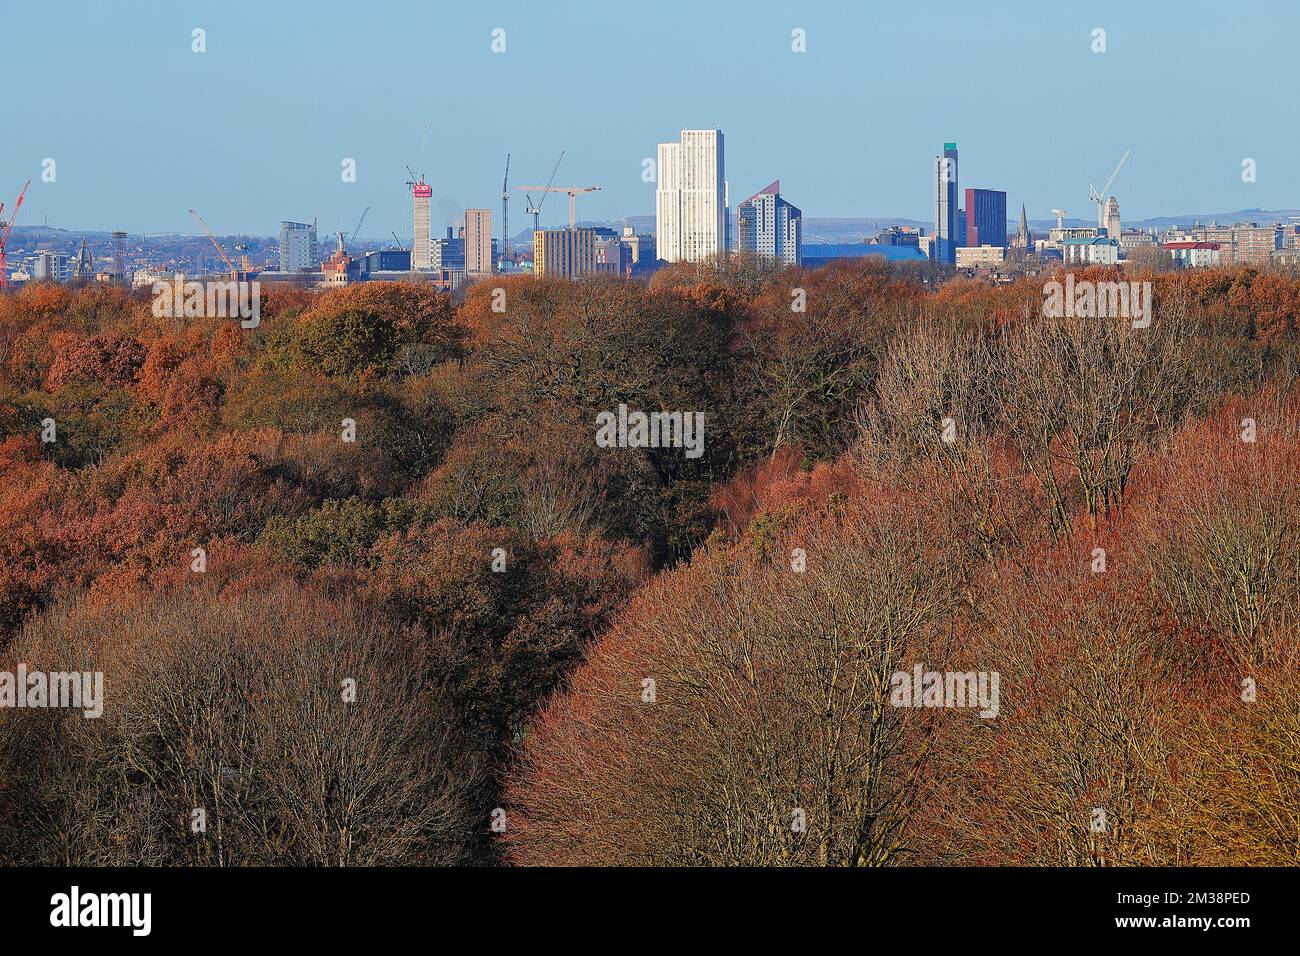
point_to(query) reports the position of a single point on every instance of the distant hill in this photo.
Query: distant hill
(816, 229)
(1161, 223)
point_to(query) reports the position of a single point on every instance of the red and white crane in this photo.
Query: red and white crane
(5, 229)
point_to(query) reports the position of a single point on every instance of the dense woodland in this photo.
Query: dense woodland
(766, 591)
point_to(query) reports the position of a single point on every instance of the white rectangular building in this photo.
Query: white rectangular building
(690, 198)
(1095, 251)
(1190, 254)
(298, 246)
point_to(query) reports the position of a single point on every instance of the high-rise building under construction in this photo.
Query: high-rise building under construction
(422, 247)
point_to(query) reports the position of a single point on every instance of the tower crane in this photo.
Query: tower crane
(234, 273)
(356, 230)
(418, 179)
(536, 210)
(573, 191)
(5, 229)
(1100, 197)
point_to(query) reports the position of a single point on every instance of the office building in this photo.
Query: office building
(50, 266)
(382, 260)
(986, 218)
(298, 251)
(691, 197)
(769, 227)
(447, 253)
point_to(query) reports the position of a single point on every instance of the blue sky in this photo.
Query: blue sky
(254, 130)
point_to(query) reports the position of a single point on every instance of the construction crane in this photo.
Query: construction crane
(234, 273)
(505, 218)
(536, 209)
(571, 190)
(1100, 197)
(356, 231)
(5, 229)
(398, 241)
(418, 179)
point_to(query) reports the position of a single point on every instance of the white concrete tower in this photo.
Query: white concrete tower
(690, 198)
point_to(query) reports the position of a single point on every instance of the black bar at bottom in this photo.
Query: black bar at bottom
(533, 905)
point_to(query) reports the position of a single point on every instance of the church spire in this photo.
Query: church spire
(1023, 238)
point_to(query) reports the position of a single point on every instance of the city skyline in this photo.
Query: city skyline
(253, 131)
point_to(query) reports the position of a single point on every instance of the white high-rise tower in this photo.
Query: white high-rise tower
(421, 247)
(690, 199)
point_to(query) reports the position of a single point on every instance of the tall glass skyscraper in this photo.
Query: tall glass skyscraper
(946, 230)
